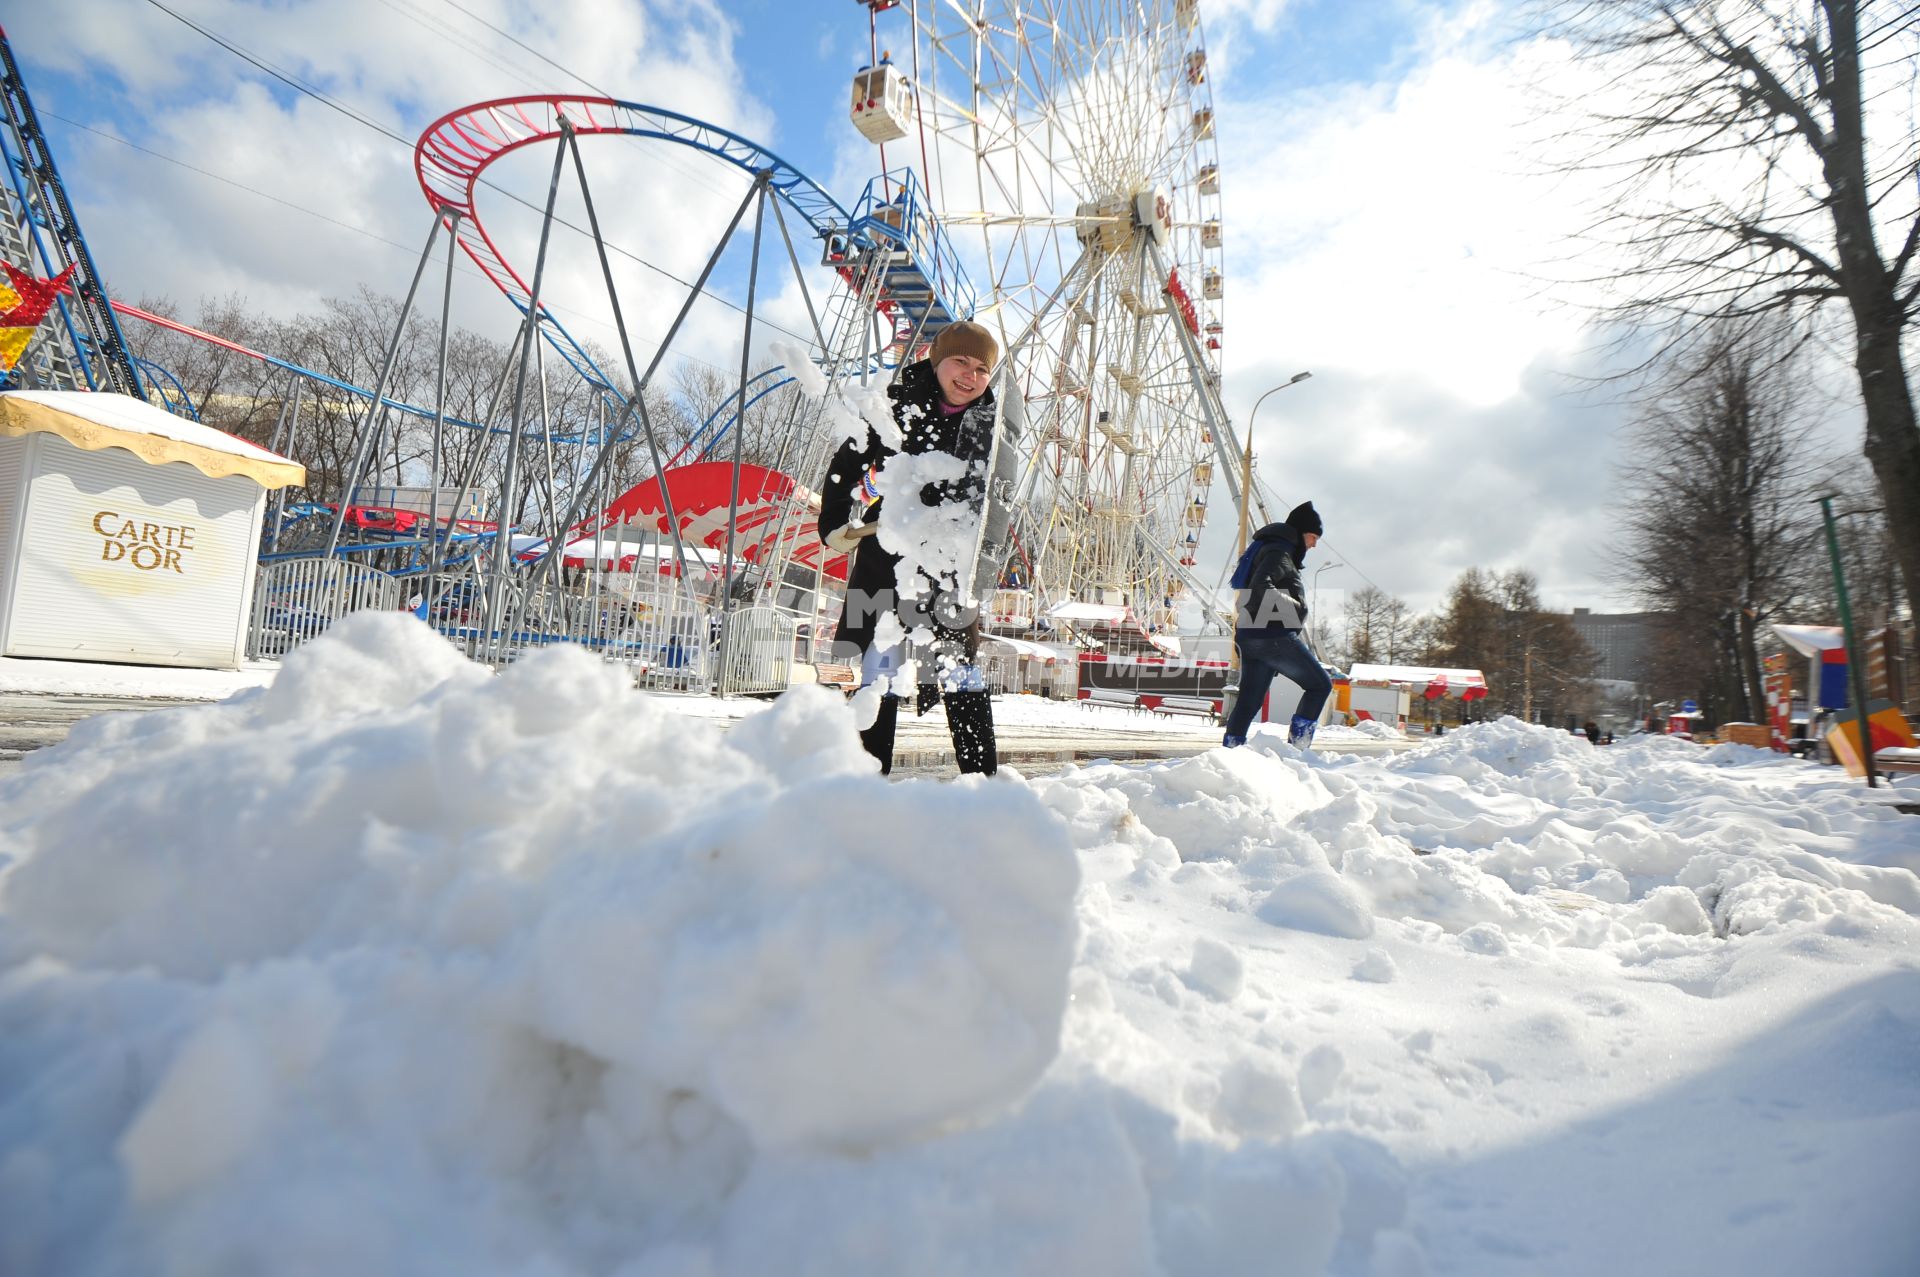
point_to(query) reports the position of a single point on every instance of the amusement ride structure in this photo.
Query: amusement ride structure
(1069, 150)
(1045, 167)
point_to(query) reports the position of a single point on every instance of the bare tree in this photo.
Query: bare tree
(1746, 181)
(1397, 630)
(229, 390)
(1362, 617)
(1419, 641)
(1866, 553)
(1329, 642)
(1378, 626)
(1536, 665)
(1720, 537)
(708, 397)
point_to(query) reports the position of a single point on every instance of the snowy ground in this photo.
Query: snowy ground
(396, 967)
(94, 678)
(98, 678)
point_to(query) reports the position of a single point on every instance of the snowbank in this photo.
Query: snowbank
(401, 967)
(424, 970)
(1546, 988)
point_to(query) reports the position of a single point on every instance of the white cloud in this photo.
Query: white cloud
(1224, 17)
(1389, 237)
(1385, 234)
(160, 229)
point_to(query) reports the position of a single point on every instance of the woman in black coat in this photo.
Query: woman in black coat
(941, 404)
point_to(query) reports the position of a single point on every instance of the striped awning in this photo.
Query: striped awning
(1425, 681)
(95, 421)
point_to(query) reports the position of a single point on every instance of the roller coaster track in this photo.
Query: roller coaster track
(43, 205)
(455, 151)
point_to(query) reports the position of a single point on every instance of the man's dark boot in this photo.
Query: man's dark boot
(878, 739)
(970, 719)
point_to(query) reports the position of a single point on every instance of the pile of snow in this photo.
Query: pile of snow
(419, 969)
(400, 967)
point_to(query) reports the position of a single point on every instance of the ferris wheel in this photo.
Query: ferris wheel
(1067, 148)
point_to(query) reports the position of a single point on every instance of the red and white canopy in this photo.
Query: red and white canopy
(1426, 681)
(702, 494)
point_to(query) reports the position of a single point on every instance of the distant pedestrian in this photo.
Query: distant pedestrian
(1271, 607)
(1592, 730)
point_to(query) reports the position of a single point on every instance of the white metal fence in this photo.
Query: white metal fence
(297, 599)
(668, 637)
(664, 635)
(760, 651)
(1015, 672)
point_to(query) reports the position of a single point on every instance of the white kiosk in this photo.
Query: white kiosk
(126, 533)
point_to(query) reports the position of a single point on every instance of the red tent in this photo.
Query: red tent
(701, 493)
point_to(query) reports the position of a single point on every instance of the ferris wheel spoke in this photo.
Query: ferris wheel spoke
(1053, 131)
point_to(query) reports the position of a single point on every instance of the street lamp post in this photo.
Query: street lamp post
(1314, 595)
(1246, 460)
(1231, 693)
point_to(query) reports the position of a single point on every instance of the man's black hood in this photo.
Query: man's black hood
(1285, 533)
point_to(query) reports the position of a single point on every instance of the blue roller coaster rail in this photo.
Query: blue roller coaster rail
(922, 275)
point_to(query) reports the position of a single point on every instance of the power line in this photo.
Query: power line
(251, 190)
(284, 77)
(434, 26)
(334, 221)
(310, 91)
(504, 34)
(508, 36)
(1346, 559)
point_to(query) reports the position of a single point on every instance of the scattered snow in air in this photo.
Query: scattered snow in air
(798, 362)
(398, 966)
(934, 542)
(850, 406)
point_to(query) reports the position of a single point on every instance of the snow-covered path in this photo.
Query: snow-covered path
(1620, 1032)
(399, 967)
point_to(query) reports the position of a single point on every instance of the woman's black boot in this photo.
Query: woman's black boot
(878, 739)
(970, 719)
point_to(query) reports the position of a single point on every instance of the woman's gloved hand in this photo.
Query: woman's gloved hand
(866, 496)
(865, 519)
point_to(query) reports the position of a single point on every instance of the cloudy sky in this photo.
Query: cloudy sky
(1386, 225)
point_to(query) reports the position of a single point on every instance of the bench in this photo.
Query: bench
(834, 674)
(1897, 761)
(1199, 706)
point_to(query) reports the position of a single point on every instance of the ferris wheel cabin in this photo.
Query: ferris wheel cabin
(882, 102)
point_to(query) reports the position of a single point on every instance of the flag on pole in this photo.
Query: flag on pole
(24, 302)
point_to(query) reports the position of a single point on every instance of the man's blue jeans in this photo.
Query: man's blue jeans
(1264, 653)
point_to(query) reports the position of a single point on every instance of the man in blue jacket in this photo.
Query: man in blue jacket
(1272, 610)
